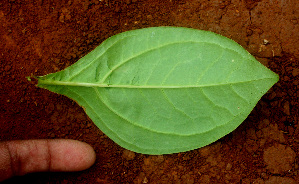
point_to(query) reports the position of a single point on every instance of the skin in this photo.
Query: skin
(18, 158)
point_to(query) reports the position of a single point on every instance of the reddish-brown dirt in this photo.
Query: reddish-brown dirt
(41, 37)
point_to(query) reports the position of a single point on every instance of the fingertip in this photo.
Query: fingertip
(71, 155)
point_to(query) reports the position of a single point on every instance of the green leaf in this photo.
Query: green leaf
(163, 90)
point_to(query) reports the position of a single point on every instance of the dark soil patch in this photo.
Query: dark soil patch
(41, 37)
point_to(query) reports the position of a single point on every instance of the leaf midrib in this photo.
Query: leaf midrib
(85, 84)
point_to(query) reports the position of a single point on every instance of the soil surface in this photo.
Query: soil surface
(41, 37)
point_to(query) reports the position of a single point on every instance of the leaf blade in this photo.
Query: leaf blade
(178, 90)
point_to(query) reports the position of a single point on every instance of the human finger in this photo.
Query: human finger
(27, 156)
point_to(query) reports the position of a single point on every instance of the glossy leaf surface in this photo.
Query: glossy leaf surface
(164, 89)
